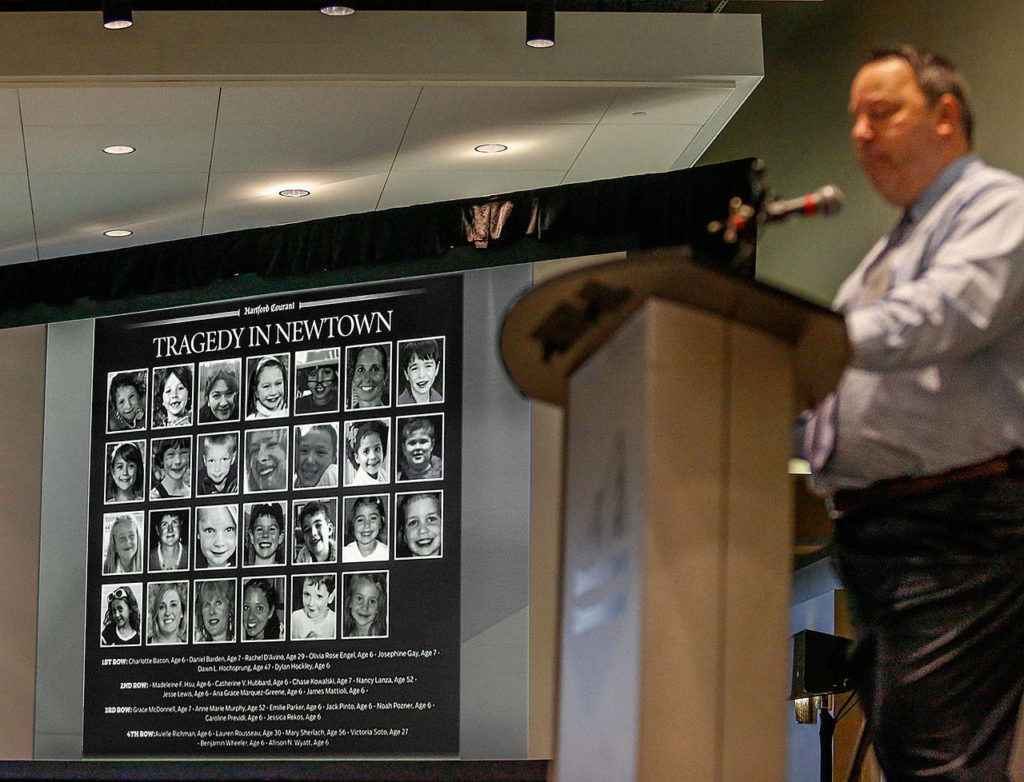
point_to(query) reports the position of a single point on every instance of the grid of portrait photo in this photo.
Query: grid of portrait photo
(265, 498)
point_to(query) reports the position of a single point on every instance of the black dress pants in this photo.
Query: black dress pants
(936, 589)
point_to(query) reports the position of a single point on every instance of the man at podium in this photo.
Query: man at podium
(919, 449)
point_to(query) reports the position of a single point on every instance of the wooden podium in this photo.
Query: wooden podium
(680, 385)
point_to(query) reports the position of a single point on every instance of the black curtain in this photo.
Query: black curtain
(656, 210)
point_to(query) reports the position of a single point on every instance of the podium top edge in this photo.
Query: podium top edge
(554, 327)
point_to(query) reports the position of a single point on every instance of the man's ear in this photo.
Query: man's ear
(948, 123)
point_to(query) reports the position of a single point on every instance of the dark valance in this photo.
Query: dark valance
(656, 210)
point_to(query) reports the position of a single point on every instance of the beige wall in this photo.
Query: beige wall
(22, 370)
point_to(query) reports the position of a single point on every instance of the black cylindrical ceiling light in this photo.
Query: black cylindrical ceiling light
(117, 14)
(540, 24)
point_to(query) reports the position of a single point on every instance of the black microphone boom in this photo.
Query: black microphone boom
(827, 200)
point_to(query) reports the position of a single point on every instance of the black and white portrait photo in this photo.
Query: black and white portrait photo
(421, 371)
(172, 396)
(121, 616)
(127, 393)
(219, 389)
(367, 376)
(126, 471)
(317, 380)
(418, 525)
(266, 394)
(171, 468)
(419, 448)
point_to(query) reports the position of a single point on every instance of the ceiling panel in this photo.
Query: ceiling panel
(243, 200)
(12, 150)
(665, 106)
(625, 150)
(158, 148)
(533, 104)
(98, 105)
(352, 104)
(298, 146)
(17, 234)
(530, 147)
(405, 188)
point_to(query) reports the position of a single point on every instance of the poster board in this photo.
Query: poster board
(212, 432)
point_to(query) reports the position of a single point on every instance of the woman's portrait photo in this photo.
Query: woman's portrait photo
(317, 385)
(171, 467)
(267, 390)
(219, 386)
(366, 529)
(418, 525)
(316, 456)
(122, 542)
(167, 610)
(266, 459)
(365, 601)
(263, 602)
(367, 380)
(126, 400)
(168, 539)
(172, 396)
(366, 452)
(214, 611)
(126, 472)
(421, 379)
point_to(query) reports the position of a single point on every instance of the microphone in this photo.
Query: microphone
(827, 200)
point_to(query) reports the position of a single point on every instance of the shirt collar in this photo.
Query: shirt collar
(936, 189)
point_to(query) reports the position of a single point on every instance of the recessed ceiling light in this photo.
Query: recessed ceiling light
(117, 233)
(490, 148)
(337, 10)
(119, 149)
(293, 192)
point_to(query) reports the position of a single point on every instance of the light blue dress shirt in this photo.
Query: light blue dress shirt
(937, 375)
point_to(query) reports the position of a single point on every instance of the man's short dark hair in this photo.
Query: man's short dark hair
(936, 76)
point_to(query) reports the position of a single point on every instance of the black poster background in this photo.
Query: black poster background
(393, 695)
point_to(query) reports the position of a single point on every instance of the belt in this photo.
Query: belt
(846, 501)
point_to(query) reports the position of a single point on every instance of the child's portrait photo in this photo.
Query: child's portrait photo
(219, 385)
(419, 448)
(171, 468)
(317, 380)
(126, 472)
(127, 393)
(420, 365)
(266, 459)
(172, 396)
(267, 390)
(122, 621)
(316, 539)
(214, 611)
(216, 536)
(367, 380)
(366, 529)
(168, 539)
(313, 616)
(263, 602)
(365, 601)
(418, 525)
(122, 542)
(366, 452)
(316, 456)
(265, 534)
(167, 612)
(218, 464)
